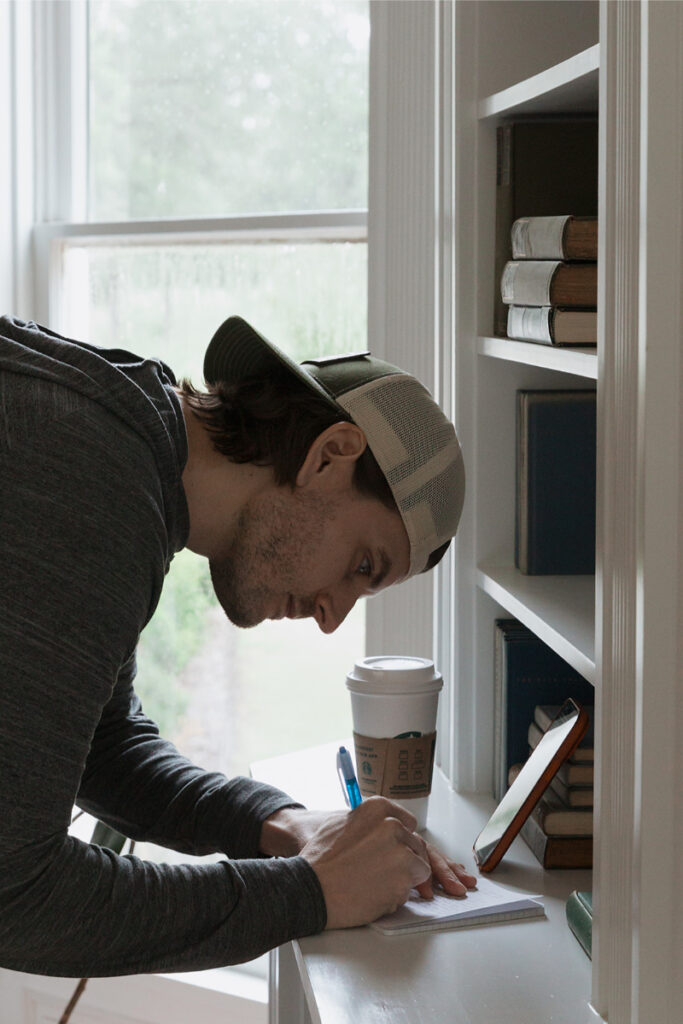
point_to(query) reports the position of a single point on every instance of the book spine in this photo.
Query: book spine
(528, 284)
(522, 486)
(530, 323)
(499, 716)
(538, 238)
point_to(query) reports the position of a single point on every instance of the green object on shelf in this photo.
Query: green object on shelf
(579, 909)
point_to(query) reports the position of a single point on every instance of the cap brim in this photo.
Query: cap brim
(237, 352)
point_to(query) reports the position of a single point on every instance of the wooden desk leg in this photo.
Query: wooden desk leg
(286, 999)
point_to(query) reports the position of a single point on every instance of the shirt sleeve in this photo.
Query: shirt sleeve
(140, 784)
(82, 549)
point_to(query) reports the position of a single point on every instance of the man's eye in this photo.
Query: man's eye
(365, 568)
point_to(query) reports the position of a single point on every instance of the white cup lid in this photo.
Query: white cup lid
(394, 673)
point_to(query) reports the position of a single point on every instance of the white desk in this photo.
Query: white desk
(525, 972)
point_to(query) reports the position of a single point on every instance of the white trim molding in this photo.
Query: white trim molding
(17, 161)
(51, 239)
(402, 251)
(638, 940)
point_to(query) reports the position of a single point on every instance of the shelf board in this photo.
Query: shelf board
(568, 87)
(559, 609)
(583, 362)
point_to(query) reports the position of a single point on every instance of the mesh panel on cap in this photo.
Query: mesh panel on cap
(418, 452)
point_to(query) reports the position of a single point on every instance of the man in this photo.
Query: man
(305, 487)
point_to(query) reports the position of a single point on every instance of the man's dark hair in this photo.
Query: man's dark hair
(273, 421)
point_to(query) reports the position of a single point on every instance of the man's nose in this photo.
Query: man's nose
(332, 609)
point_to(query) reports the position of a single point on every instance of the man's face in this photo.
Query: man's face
(301, 554)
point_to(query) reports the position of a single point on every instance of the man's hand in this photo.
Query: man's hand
(367, 860)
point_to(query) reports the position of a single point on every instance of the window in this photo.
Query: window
(66, 219)
(208, 108)
(217, 133)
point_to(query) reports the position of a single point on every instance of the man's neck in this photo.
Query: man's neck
(216, 488)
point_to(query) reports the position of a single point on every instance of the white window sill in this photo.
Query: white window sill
(229, 981)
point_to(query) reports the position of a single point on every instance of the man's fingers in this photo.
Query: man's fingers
(450, 875)
(426, 889)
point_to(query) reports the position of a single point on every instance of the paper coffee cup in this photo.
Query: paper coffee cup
(394, 700)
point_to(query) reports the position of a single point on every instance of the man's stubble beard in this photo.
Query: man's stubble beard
(274, 543)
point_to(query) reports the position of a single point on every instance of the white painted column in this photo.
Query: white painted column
(402, 252)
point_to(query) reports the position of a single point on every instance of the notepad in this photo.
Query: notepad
(486, 904)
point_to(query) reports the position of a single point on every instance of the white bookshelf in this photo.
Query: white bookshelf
(620, 630)
(560, 610)
(579, 361)
(571, 85)
(551, 69)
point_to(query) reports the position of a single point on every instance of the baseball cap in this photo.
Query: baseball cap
(414, 443)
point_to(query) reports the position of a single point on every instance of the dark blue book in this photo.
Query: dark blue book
(555, 515)
(527, 673)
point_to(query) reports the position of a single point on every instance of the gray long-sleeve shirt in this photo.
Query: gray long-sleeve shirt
(92, 510)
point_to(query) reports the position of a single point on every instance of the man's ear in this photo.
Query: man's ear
(333, 455)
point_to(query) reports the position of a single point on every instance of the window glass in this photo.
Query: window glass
(213, 108)
(226, 696)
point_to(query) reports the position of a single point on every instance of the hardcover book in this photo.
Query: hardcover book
(544, 165)
(555, 238)
(557, 820)
(572, 796)
(553, 325)
(527, 673)
(556, 462)
(549, 283)
(557, 851)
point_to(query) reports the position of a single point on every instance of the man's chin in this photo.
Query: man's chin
(242, 619)
(243, 614)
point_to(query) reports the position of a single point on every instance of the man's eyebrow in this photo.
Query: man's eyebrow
(384, 569)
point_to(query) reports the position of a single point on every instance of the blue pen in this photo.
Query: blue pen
(347, 777)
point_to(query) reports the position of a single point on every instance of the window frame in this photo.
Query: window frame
(51, 239)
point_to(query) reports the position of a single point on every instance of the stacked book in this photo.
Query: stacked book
(550, 286)
(560, 829)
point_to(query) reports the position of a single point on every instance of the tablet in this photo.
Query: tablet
(557, 743)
